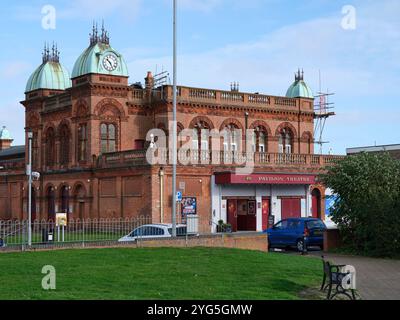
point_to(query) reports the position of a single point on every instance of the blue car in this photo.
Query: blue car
(293, 232)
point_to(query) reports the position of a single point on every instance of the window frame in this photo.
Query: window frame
(107, 138)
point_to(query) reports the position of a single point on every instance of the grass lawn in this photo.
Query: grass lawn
(162, 273)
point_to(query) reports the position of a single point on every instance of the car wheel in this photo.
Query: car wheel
(269, 246)
(300, 245)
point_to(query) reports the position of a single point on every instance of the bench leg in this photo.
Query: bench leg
(323, 283)
(328, 296)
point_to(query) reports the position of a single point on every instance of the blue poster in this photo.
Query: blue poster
(329, 204)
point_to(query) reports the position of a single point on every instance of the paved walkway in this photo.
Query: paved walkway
(377, 279)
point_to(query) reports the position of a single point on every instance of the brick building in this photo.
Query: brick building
(90, 137)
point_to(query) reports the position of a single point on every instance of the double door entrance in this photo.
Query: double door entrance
(242, 213)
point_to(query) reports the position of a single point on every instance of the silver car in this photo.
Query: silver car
(154, 231)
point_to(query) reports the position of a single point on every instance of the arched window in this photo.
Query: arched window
(35, 150)
(64, 144)
(64, 197)
(232, 138)
(108, 134)
(285, 141)
(260, 140)
(309, 142)
(82, 142)
(50, 147)
(200, 139)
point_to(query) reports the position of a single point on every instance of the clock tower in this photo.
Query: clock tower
(99, 94)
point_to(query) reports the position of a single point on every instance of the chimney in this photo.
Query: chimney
(149, 81)
(149, 84)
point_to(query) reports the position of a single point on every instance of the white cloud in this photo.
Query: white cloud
(352, 62)
(361, 66)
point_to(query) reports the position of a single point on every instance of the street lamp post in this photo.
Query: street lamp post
(29, 174)
(174, 129)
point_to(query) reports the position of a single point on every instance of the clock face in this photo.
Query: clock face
(110, 62)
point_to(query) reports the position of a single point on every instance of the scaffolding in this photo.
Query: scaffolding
(323, 109)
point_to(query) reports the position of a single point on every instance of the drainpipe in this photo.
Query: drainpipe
(246, 120)
(161, 174)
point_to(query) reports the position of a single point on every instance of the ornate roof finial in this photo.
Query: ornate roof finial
(44, 53)
(96, 37)
(50, 54)
(299, 76)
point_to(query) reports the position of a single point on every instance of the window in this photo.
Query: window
(285, 141)
(260, 140)
(50, 147)
(281, 225)
(152, 231)
(288, 143)
(64, 145)
(200, 138)
(137, 232)
(315, 224)
(35, 150)
(108, 138)
(180, 231)
(82, 141)
(309, 142)
(232, 138)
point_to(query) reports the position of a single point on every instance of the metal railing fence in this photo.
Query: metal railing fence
(15, 233)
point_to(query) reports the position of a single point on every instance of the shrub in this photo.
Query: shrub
(367, 206)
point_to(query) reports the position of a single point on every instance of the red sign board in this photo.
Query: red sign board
(261, 178)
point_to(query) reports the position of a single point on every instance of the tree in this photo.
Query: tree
(367, 206)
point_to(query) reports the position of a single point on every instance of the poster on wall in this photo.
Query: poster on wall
(329, 204)
(189, 206)
(252, 207)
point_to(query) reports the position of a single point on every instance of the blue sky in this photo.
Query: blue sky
(259, 43)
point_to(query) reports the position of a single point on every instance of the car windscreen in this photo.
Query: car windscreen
(315, 224)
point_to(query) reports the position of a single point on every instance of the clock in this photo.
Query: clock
(110, 62)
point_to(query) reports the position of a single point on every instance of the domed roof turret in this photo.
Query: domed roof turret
(100, 58)
(5, 134)
(50, 74)
(299, 89)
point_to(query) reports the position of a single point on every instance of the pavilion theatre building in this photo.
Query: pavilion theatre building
(91, 141)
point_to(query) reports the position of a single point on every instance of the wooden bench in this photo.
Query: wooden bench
(333, 279)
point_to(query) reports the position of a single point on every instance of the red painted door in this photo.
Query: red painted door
(290, 208)
(314, 206)
(316, 203)
(251, 222)
(232, 214)
(265, 213)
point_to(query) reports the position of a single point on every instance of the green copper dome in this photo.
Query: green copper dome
(100, 58)
(299, 89)
(5, 134)
(50, 74)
